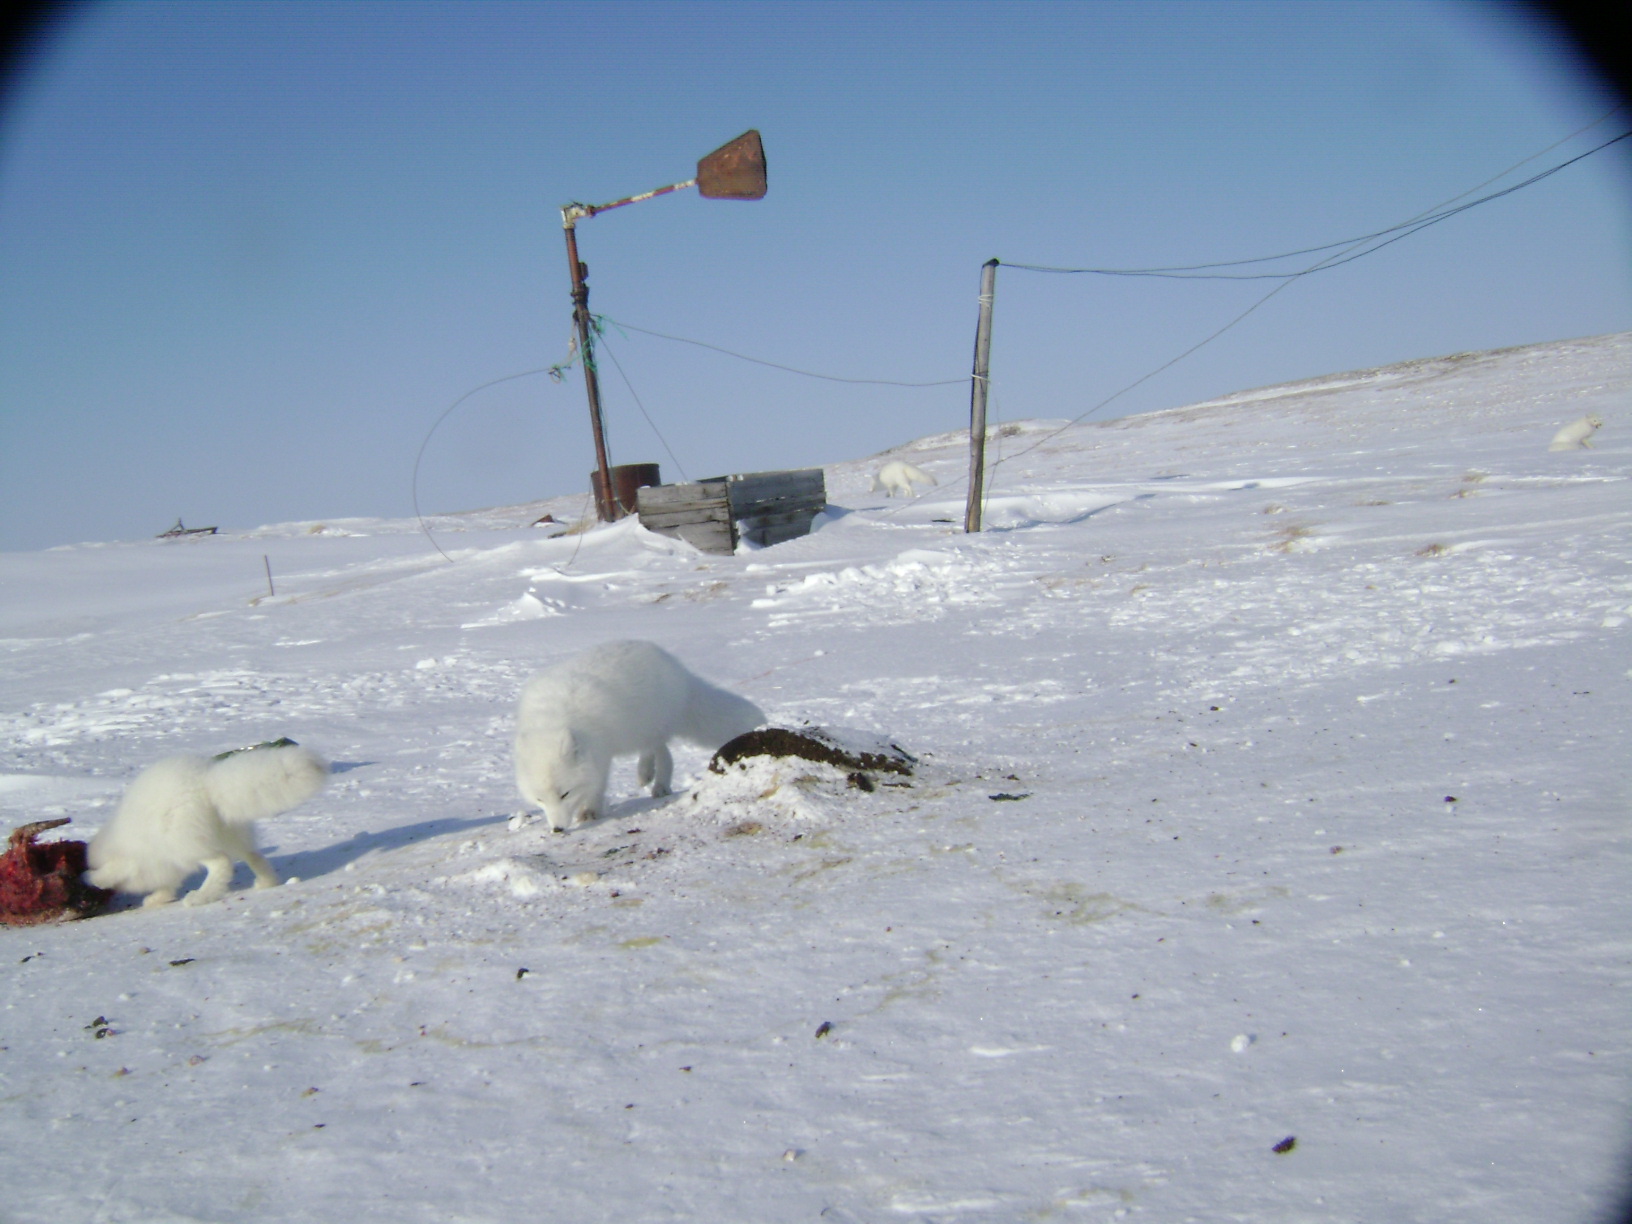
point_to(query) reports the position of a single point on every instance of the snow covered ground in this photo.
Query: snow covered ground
(1273, 784)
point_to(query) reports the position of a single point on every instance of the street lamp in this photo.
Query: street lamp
(734, 171)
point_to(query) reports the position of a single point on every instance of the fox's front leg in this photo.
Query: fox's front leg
(656, 769)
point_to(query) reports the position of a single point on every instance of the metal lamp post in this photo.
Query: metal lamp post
(734, 171)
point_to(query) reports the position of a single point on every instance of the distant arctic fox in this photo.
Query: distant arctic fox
(612, 700)
(1575, 435)
(187, 812)
(898, 476)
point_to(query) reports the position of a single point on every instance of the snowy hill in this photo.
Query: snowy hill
(1274, 784)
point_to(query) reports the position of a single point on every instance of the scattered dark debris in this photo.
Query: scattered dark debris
(186, 960)
(813, 744)
(98, 1028)
(1337, 849)
(823, 1029)
(1004, 796)
(311, 1092)
(745, 828)
(521, 973)
(42, 882)
(1452, 799)
(860, 781)
(1285, 1145)
(685, 1068)
(630, 832)
(658, 853)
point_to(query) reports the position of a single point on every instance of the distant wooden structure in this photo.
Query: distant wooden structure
(713, 515)
(178, 531)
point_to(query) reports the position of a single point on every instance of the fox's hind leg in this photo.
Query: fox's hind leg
(217, 878)
(656, 769)
(266, 876)
(243, 843)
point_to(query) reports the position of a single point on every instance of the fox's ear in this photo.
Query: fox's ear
(568, 746)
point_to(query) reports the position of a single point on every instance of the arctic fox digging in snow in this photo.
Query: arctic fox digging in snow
(897, 476)
(187, 812)
(615, 699)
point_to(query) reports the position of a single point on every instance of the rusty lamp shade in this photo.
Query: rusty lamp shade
(735, 170)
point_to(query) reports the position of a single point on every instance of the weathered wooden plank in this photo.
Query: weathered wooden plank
(756, 492)
(669, 496)
(705, 537)
(711, 514)
(778, 484)
(768, 529)
(775, 533)
(680, 506)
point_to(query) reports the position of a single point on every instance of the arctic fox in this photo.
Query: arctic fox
(1575, 435)
(897, 476)
(617, 698)
(187, 812)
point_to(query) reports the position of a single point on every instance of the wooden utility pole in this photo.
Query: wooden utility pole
(606, 503)
(977, 397)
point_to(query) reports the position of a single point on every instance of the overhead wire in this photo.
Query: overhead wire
(437, 424)
(1403, 229)
(680, 467)
(878, 382)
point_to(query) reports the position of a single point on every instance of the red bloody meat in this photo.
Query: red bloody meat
(41, 881)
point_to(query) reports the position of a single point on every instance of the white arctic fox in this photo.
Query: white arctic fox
(898, 476)
(617, 698)
(187, 812)
(1577, 434)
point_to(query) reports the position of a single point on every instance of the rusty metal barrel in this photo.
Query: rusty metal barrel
(627, 479)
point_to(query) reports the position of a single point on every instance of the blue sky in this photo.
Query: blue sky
(250, 252)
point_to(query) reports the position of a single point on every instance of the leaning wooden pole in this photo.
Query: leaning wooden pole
(606, 503)
(979, 384)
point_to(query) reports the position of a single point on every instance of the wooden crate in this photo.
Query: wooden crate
(699, 514)
(763, 507)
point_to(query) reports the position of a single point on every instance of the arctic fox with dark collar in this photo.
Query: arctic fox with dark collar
(187, 812)
(615, 699)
